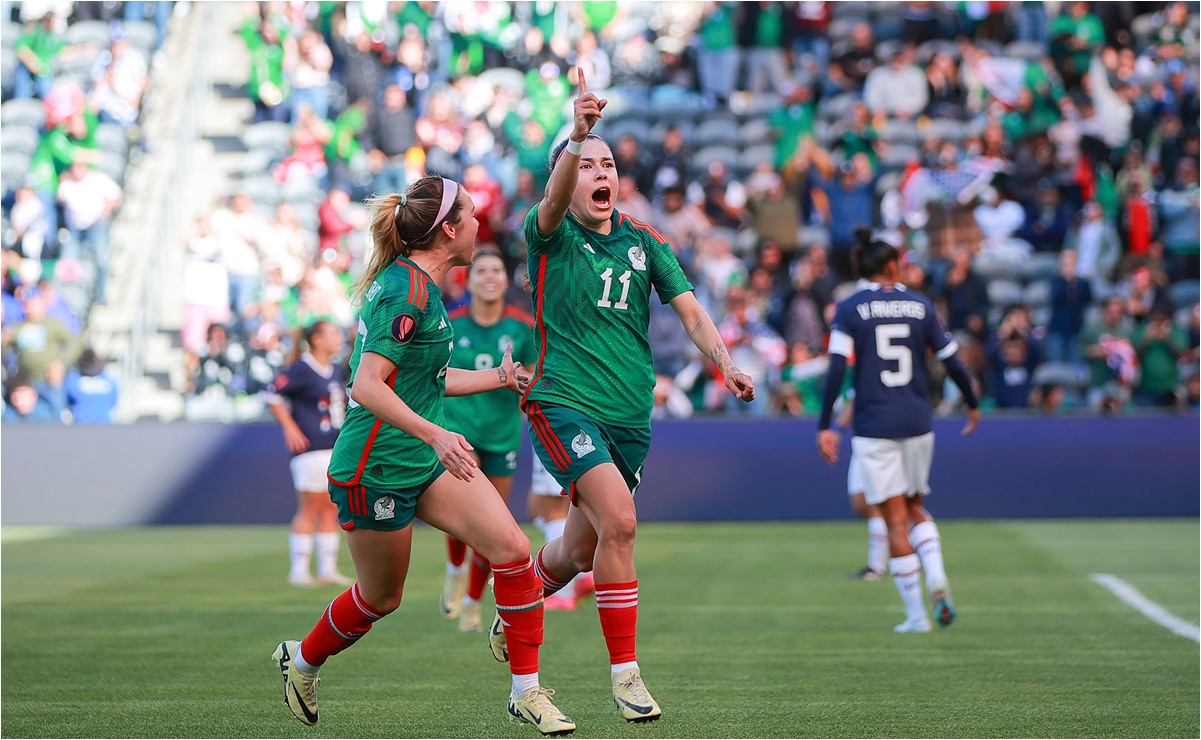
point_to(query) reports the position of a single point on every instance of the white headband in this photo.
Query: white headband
(450, 191)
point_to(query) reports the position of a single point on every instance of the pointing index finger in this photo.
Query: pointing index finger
(583, 83)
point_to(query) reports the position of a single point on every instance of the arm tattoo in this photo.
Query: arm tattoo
(503, 375)
(721, 357)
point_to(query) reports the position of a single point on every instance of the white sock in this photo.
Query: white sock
(553, 529)
(906, 573)
(522, 684)
(468, 601)
(619, 667)
(300, 548)
(328, 544)
(457, 570)
(877, 544)
(928, 546)
(303, 665)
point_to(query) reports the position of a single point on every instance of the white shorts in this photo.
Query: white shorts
(856, 482)
(309, 469)
(894, 467)
(543, 483)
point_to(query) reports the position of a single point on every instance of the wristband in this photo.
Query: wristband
(575, 147)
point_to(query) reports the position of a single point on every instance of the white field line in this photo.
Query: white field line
(1149, 609)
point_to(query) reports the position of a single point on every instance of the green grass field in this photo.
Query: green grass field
(747, 630)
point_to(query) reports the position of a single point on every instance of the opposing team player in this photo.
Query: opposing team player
(877, 531)
(395, 460)
(889, 329)
(589, 401)
(309, 403)
(484, 330)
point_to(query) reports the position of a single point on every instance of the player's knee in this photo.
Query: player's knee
(513, 547)
(621, 530)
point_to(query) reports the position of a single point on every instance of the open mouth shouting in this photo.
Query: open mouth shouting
(602, 198)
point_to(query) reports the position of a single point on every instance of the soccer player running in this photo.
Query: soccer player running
(309, 403)
(889, 328)
(394, 459)
(484, 330)
(589, 401)
(548, 507)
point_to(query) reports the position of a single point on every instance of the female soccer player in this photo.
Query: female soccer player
(589, 401)
(548, 509)
(888, 329)
(309, 403)
(485, 330)
(394, 459)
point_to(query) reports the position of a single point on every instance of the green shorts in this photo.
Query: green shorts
(570, 443)
(497, 464)
(362, 507)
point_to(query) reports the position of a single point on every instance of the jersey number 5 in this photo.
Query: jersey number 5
(899, 353)
(621, 304)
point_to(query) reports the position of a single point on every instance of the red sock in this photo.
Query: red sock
(480, 568)
(455, 551)
(551, 584)
(519, 605)
(617, 605)
(346, 619)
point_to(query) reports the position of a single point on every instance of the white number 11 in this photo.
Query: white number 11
(621, 304)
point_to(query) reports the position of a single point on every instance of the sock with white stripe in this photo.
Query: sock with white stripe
(347, 618)
(519, 606)
(617, 606)
(877, 544)
(928, 546)
(551, 584)
(906, 574)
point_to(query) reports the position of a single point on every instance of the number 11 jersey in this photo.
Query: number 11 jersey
(591, 296)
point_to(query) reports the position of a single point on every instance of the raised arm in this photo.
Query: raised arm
(707, 339)
(566, 171)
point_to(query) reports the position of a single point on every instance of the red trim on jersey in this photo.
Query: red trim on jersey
(540, 294)
(642, 227)
(546, 435)
(419, 291)
(517, 313)
(458, 313)
(366, 448)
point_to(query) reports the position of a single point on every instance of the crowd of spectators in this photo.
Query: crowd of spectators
(73, 81)
(1039, 173)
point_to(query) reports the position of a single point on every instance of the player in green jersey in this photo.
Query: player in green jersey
(589, 401)
(484, 330)
(394, 459)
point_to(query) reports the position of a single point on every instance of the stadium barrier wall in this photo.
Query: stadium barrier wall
(699, 469)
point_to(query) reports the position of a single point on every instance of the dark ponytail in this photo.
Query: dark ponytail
(871, 257)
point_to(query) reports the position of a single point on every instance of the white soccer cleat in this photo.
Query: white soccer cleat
(535, 707)
(303, 580)
(300, 688)
(453, 587)
(497, 642)
(335, 579)
(632, 698)
(914, 625)
(469, 617)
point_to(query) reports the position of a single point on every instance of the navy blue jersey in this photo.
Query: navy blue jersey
(318, 399)
(889, 330)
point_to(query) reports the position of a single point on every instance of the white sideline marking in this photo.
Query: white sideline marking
(1149, 609)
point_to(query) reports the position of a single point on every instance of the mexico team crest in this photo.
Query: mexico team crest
(637, 258)
(385, 508)
(582, 444)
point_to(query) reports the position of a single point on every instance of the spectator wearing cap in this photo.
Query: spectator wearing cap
(1179, 220)
(43, 348)
(898, 89)
(24, 405)
(1159, 344)
(1070, 296)
(91, 390)
(717, 55)
(842, 205)
(390, 132)
(36, 48)
(89, 198)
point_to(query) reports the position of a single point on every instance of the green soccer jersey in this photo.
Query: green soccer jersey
(591, 294)
(490, 421)
(402, 319)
